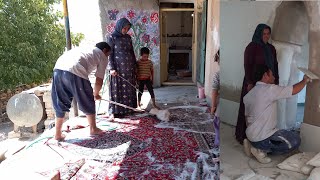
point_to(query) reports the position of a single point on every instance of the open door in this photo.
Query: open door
(201, 67)
(163, 47)
(176, 29)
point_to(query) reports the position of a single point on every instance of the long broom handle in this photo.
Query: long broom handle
(122, 105)
(130, 83)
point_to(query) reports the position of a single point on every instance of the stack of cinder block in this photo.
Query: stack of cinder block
(48, 108)
(48, 105)
(43, 92)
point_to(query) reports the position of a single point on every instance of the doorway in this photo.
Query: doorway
(177, 30)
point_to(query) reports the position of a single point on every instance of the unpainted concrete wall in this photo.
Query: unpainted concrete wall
(312, 106)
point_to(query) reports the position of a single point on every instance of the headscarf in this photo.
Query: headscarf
(121, 23)
(257, 38)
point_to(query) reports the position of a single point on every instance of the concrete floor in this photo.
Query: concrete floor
(236, 165)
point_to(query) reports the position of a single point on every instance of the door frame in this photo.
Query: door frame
(164, 46)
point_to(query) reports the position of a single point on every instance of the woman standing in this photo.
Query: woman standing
(122, 66)
(258, 52)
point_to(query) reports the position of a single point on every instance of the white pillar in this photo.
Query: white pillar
(311, 124)
(289, 75)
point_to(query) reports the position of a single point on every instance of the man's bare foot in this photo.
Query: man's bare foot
(96, 131)
(60, 137)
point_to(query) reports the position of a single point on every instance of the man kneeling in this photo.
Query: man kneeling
(261, 116)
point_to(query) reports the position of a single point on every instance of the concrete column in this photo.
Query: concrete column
(311, 124)
(289, 75)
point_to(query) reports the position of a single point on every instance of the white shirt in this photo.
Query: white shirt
(261, 109)
(82, 61)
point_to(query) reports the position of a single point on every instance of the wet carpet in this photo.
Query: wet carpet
(139, 150)
(135, 147)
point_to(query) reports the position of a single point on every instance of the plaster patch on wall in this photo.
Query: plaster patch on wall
(215, 38)
(285, 54)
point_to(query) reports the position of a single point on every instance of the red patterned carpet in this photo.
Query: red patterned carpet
(132, 148)
(138, 150)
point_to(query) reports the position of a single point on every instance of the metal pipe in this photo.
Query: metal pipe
(68, 44)
(66, 24)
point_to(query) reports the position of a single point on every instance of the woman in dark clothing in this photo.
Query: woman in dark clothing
(122, 66)
(259, 51)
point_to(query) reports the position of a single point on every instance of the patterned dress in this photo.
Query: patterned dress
(123, 60)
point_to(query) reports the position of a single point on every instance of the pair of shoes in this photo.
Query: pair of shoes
(260, 155)
(247, 147)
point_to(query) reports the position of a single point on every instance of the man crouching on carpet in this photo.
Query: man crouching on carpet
(261, 116)
(70, 80)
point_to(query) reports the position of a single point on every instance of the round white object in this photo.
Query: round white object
(25, 109)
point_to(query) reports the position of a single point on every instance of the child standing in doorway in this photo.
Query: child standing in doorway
(145, 75)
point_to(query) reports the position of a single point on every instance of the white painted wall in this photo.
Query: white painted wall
(238, 21)
(174, 22)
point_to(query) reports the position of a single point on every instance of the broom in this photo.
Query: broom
(122, 105)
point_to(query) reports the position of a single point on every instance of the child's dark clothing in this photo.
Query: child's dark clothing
(145, 74)
(141, 87)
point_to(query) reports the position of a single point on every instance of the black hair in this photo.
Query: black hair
(217, 56)
(259, 71)
(144, 50)
(103, 45)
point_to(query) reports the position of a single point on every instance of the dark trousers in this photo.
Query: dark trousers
(141, 88)
(65, 87)
(280, 142)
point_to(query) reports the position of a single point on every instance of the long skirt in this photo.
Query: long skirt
(123, 92)
(241, 122)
